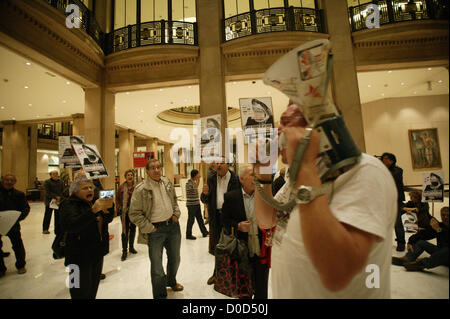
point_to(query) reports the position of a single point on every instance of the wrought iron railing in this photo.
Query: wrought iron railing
(151, 33)
(88, 23)
(392, 11)
(273, 20)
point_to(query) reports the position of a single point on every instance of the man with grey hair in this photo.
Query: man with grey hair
(13, 199)
(238, 212)
(154, 209)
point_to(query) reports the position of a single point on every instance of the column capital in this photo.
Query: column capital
(77, 116)
(9, 122)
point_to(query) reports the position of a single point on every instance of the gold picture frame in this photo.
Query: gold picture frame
(425, 149)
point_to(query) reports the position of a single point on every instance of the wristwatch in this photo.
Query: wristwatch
(306, 194)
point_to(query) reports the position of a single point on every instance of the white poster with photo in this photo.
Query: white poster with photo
(256, 113)
(90, 160)
(433, 187)
(67, 156)
(211, 137)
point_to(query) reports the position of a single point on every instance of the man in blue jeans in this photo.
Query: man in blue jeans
(418, 243)
(154, 209)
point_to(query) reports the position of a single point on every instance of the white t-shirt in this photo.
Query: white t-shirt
(365, 197)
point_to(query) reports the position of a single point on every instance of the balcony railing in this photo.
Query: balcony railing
(88, 23)
(273, 20)
(392, 11)
(151, 33)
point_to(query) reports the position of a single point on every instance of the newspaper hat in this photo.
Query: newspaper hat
(302, 74)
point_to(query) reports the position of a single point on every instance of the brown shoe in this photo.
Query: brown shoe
(177, 287)
(21, 271)
(46, 232)
(414, 266)
(211, 280)
(400, 261)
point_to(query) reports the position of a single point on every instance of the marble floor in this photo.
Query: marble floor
(45, 278)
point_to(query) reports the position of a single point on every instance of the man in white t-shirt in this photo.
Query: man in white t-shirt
(339, 244)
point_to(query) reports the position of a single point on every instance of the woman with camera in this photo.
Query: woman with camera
(86, 225)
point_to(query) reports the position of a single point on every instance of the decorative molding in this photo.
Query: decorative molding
(403, 42)
(152, 64)
(257, 53)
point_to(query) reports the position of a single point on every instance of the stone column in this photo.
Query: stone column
(99, 129)
(15, 152)
(32, 159)
(126, 148)
(152, 146)
(344, 82)
(78, 124)
(168, 164)
(212, 79)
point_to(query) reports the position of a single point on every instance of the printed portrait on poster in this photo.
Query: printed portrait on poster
(90, 160)
(66, 153)
(256, 113)
(424, 146)
(433, 187)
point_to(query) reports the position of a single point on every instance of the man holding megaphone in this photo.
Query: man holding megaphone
(341, 203)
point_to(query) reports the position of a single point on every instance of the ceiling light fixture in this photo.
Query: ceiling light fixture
(369, 86)
(30, 104)
(429, 69)
(403, 83)
(26, 86)
(440, 81)
(28, 63)
(160, 90)
(234, 82)
(382, 94)
(64, 101)
(14, 118)
(389, 71)
(67, 82)
(2, 107)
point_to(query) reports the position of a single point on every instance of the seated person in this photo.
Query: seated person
(415, 205)
(418, 243)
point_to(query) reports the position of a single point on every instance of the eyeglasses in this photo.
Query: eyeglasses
(153, 168)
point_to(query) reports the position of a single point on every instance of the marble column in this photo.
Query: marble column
(32, 158)
(15, 152)
(152, 146)
(78, 124)
(212, 78)
(168, 164)
(344, 82)
(99, 128)
(126, 148)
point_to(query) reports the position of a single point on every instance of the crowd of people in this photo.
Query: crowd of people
(323, 244)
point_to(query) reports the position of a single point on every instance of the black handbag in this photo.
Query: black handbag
(59, 246)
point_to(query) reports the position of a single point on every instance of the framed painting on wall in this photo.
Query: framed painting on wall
(425, 151)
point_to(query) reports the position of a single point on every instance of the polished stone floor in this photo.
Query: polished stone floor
(46, 277)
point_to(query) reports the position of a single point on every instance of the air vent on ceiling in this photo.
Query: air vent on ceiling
(52, 75)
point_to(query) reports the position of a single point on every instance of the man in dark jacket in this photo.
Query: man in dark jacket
(13, 199)
(239, 213)
(217, 185)
(418, 243)
(390, 161)
(54, 189)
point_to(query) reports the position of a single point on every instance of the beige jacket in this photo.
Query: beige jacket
(140, 210)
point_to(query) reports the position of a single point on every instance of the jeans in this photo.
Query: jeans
(195, 212)
(439, 256)
(399, 228)
(48, 218)
(18, 247)
(168, 237)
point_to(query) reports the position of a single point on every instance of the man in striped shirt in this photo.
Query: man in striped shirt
(193, 205)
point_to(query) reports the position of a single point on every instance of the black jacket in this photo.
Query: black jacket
(52, 189)
(429, 233)
(211, 198)
(423, 213)
(84, 241)
(14, 200)
(397, 174)
(233, 212)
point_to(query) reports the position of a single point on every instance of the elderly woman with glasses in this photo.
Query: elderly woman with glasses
(86, 225)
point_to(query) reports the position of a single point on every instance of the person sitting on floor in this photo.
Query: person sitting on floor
(415, 205)
(418, 243)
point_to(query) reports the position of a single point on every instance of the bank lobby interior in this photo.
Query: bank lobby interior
(135, 70)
